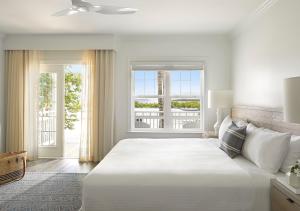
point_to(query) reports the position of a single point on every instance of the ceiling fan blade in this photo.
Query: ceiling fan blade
(115, 10)
(65, 12)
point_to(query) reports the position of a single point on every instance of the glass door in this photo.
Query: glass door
(51, 111)
(60, 110)
(72, 109)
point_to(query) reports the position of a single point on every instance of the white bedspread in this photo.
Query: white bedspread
(175, 175)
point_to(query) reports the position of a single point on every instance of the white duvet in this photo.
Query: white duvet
(174, 175)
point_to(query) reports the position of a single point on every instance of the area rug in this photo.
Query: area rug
(43, 191)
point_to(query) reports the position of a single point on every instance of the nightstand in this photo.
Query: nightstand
(209, 134)
(283, 199)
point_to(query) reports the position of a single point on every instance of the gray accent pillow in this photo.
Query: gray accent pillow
(233, 140)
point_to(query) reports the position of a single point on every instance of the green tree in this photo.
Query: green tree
(146, 105)
(73, 87)
(46, 85)
(186, 104)
(72, 98)
(174, 104)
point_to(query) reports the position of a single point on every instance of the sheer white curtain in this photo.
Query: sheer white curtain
(97, 105)
(22, 85)
(32, 104)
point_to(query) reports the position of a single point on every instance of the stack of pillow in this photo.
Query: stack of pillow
(268, 149)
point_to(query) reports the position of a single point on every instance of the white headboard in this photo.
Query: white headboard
(265, 117)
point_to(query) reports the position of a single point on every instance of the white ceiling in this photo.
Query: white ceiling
(154, 17)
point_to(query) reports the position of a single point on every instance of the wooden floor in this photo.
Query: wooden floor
(59, 165)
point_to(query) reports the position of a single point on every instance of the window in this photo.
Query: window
(167, 97)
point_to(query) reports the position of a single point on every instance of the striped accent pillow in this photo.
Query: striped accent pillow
(233, 140)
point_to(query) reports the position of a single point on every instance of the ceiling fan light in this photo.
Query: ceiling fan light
(83, 6)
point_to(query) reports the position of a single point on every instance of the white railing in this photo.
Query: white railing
(47, 128)
(176, 119)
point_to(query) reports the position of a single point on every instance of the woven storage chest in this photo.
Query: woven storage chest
(12, 166)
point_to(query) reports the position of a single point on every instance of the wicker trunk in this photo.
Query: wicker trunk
(12, 166)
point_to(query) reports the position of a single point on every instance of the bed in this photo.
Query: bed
(175, 174)
(181, 174)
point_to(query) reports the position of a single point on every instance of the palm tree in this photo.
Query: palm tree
(160, 77)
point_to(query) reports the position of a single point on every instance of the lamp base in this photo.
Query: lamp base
(219, 121)
(217, 128)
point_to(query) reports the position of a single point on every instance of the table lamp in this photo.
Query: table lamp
(219, 99)
(292, 100)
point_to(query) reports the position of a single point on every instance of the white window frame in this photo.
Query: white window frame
(187, 65)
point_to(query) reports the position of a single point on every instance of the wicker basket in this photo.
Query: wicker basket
(12, 166)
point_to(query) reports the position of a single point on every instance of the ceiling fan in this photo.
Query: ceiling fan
(82, 6)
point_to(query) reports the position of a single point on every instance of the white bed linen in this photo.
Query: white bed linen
(175, 175)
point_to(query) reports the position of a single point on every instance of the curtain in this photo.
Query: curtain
(22, 76)
(97, 105)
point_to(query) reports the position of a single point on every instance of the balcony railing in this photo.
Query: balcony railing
(175, 120)
(47, 128)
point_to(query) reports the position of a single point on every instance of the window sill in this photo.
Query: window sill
(51, 146)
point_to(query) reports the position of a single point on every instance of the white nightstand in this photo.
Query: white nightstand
(283, 199)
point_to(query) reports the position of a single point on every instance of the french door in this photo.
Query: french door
(51, 111)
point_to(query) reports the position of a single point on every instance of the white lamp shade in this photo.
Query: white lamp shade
(219, 98)
(292, 100)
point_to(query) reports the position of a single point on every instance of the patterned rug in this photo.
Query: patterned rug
(43, 191)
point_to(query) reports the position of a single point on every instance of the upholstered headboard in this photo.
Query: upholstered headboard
(265, 117)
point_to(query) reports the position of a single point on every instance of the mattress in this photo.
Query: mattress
(175, 175)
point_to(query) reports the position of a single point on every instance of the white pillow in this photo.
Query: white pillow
(241, 123)
(266, 148)
(293, 154)
(224, 126)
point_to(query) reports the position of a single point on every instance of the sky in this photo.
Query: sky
(182, 83)
(187, 83)
(74, 68)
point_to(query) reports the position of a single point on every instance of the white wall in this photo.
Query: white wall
(214, 50)
(58, 42)
(2, 102)
(266, 52)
